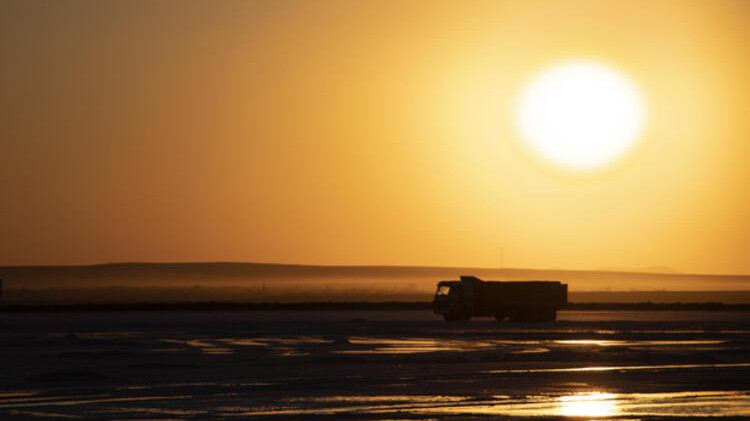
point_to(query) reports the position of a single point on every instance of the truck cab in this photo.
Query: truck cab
(450, 301)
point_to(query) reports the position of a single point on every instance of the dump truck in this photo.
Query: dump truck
(519, 301)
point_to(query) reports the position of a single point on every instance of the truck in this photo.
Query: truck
(519, 301)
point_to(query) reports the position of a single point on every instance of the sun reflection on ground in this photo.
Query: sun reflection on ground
(594, 404)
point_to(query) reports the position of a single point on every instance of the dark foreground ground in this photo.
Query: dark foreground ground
(373, 365)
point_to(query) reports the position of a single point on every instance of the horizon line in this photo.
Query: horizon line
(354, 266)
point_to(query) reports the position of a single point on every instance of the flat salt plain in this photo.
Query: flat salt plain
(373, 365)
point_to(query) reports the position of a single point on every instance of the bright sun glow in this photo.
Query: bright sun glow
(581, 115)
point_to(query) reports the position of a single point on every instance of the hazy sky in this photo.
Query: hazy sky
(355, 132)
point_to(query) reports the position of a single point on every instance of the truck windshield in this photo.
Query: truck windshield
(443, 290)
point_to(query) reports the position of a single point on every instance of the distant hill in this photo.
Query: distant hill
(283, 282)
(650, 269)
(223, 273)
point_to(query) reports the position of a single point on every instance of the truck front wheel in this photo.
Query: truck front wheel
(461, 314)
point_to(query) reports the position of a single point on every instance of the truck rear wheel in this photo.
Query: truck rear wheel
(516, 315)
(528, 314)
(540, 314)
(547, 314)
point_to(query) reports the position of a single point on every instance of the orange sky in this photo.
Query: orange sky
(343, 132)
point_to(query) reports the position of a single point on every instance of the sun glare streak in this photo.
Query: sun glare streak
(594, 404)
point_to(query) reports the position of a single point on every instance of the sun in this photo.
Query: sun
(581, 115)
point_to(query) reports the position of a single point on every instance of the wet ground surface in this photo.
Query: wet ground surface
(374, 366)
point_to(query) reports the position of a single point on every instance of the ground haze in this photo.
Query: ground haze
(256, 282)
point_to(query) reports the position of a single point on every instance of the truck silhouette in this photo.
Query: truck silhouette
(526, 301)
